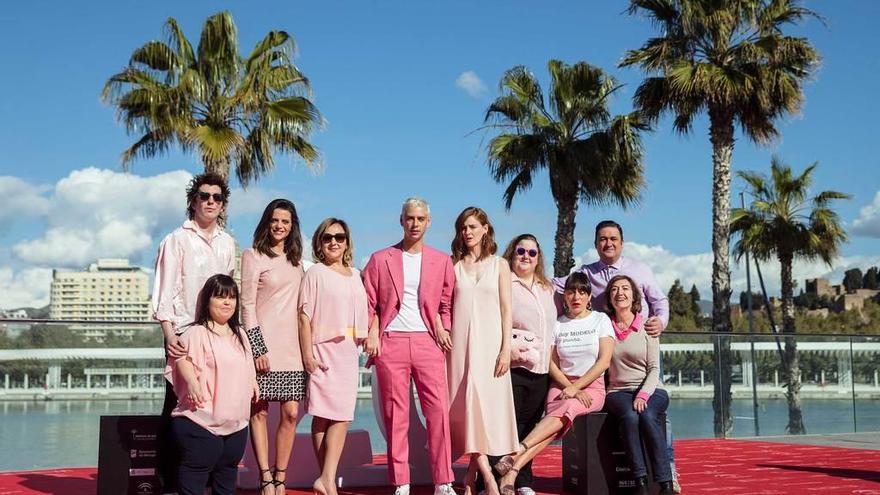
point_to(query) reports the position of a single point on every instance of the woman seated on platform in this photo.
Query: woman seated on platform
(215, 382)
(635, 396)
(583, 343)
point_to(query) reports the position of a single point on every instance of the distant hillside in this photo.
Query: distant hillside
(705, 307)
(32, 313)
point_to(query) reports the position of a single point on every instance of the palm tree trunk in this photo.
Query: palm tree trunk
(793, 369)
(721, 136)
(217, 166)
(563, 259)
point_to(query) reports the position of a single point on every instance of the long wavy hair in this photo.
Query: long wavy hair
(219, 285)
(487, 243)
(263, 236)
(318, 252)
(510, 256)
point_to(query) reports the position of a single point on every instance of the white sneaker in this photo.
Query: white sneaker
(444, 489)
(402, 490)
(524, 490)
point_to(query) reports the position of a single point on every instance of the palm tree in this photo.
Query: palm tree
(235, 111)
(731, 60)
(591, 157)
(784, 223)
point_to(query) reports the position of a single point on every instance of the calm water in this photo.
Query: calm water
(36, 435)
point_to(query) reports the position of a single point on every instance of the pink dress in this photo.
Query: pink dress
(269, 295)
(225, 371)
(336, 305)
(482, 417)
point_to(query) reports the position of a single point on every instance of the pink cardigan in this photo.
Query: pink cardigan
(383, 280)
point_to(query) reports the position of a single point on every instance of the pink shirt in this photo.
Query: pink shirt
(186, 260)
(336, 304)
(534, 316)
(226, 373)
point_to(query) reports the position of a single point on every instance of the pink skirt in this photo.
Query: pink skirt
(568, 409)
(332, 393)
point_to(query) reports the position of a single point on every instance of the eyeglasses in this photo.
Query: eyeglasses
(218, 198)
(339, 238)
(532, 252)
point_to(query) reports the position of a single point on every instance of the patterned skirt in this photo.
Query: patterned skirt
(282, 386)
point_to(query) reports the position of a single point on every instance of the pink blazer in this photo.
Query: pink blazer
(383, 280)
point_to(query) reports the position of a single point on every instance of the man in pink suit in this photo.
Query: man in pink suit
(409, 290)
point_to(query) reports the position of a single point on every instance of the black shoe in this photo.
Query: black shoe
(666, 488)
(641, 487)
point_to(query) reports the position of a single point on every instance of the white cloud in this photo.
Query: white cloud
(96, 213)
(471, 83)
(18, 199)
(697, 269)
(25, 288)
(868, 223)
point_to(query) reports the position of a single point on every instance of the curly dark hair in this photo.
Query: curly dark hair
(192, 191)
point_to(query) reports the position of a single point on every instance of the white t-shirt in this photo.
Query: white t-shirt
(577, 341)
(409, 319)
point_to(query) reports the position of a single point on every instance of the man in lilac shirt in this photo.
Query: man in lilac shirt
(609, 245)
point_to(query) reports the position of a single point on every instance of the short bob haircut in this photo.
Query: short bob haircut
(219, 285)
(636, 294)
(262, 235)
(487, 244)
(318, 252)
(192, 191)
(578, 281)
(510, 256)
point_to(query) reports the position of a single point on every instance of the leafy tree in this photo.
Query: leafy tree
(783, 223)
(589, 155)
(236, 112)
(681, 311)
(852, 279)
(731, 60)
(757, 301)
(871, 279)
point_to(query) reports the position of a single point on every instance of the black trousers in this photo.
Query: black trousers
(168, 456)
(529, 396)
(204, 455)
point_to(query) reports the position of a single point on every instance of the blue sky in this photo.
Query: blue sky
(384, 76)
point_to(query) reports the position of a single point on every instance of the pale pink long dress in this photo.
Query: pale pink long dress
(269, 295)
(336, 305)
(482, 416)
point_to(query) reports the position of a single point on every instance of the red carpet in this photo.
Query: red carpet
(706, 466)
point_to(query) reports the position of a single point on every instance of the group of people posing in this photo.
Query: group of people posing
(503, 358)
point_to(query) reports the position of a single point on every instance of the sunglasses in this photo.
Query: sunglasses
(532, 252)
(204, 196)
(339, 238)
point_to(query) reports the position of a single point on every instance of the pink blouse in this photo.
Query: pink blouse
(186, 260)
(226, 373)
(335, 304)
(534, 317)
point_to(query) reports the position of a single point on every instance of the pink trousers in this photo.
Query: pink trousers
(404, 355)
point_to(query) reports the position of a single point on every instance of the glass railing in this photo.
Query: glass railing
(838, 384)
(71, 372)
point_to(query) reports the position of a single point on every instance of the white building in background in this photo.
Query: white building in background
(109, 290)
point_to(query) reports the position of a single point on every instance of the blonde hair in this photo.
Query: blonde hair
(318, 252)
(415, 202)
(509, 255)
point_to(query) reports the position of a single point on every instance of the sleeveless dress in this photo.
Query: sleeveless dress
(481, 411)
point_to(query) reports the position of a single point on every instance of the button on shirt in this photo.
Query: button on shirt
(187, 259)
(654, 301)
(534, 316)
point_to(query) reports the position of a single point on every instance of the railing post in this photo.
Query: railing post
(703, 378)
(6, 380)
(852, 381)
(69, 381)
(26, 385)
